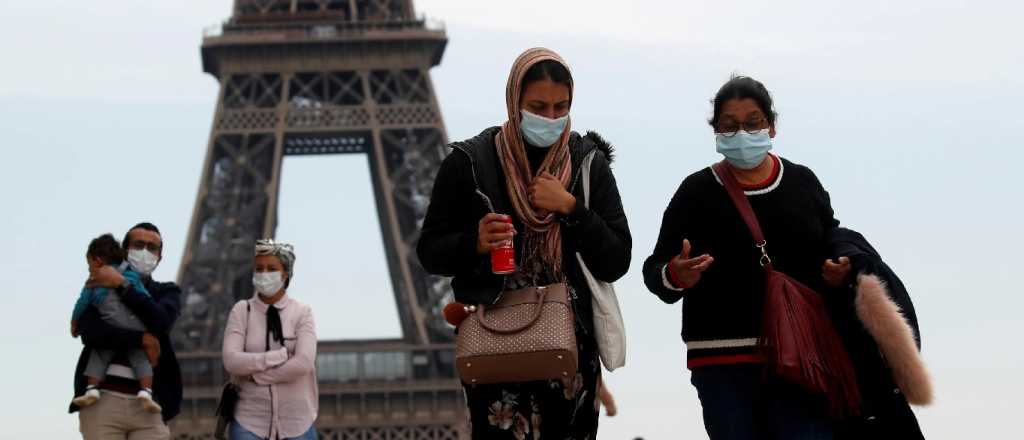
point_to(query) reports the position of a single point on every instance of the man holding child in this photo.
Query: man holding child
(117, 406)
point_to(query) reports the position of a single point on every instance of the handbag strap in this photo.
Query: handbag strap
(739, 199)
(245, 333)
(541, 292)
(245, 337)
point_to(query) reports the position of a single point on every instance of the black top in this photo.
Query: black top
(535, 155)
(158, 311)
(447, 243)
(723, 310)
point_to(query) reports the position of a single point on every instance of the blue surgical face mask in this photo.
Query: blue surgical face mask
(745, 150)
(540, 131)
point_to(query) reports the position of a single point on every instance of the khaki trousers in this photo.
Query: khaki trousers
(118, 416)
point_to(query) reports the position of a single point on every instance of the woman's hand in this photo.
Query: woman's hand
(686, 270)
(492, 232)
(548, 194)
(836, 273)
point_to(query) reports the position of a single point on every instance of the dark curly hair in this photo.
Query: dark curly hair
(106, 248)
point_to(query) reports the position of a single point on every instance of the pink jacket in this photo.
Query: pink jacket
(279, 395)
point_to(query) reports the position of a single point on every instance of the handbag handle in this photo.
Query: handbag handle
(739, 199)
(482, 317)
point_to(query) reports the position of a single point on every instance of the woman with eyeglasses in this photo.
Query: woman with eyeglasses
(705, 256)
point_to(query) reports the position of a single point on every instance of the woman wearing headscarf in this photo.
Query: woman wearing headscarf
(706, 256)
(527, 171)
(270, 352)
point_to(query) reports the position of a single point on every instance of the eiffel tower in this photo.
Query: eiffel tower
(323, 77)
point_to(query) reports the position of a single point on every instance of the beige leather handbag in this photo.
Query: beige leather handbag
(527, 335)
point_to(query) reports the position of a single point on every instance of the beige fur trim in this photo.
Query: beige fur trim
(885, 322)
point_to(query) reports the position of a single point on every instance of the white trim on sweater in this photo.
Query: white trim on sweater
(757, 192)
(665, 280)
(721, 343)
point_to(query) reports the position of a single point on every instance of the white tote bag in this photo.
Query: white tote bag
(609, 329)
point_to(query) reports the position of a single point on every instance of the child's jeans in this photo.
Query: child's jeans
(99, 361)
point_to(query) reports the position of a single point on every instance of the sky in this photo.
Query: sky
(909, 113)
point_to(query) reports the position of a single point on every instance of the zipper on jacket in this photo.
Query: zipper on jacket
(501, 293)
(573, 298)
(488, 203)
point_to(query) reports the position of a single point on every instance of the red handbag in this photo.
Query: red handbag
(798, 341)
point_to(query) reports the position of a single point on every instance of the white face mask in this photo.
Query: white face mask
(267, 283)
(142, 261)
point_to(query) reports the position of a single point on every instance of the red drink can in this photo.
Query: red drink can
(503, 259)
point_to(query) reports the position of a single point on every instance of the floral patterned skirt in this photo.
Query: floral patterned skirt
(541, 410)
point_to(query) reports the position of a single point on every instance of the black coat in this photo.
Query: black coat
(447, 244)
(885, 411)
(158, 312)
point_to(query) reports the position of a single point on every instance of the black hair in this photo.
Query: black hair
(105, 248)
(743, 87)
(146, 226)
(547, 69)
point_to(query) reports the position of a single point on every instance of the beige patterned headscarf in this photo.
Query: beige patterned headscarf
(543, 237)
(283, 251)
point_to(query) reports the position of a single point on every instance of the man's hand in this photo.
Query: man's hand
(105, 276)
(74, 329)
(836, 273)
(151, 345)
(548, 194)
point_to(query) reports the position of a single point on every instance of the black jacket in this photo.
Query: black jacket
(885, 411)
(447, 245)
(158, 313)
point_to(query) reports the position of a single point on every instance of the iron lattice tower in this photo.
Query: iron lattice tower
(318, 77)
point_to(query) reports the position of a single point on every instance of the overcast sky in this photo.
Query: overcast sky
(909, 112)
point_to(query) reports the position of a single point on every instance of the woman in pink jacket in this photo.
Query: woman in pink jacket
(270, 351)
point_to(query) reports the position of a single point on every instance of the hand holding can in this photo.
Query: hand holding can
(503, 257)
(495, 237)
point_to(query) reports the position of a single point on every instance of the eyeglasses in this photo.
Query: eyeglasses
(729, 128)
(147, 245)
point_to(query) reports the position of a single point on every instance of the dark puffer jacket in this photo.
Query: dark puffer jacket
(879, 327)
(447, 244)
